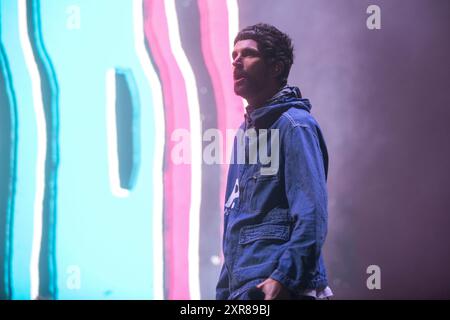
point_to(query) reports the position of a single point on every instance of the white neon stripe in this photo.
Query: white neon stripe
(233, 29)
(233, 23)
(196, 147)
(111, 133)
(41, 127)
(158, 112)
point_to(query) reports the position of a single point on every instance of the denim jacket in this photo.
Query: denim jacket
(275, 221)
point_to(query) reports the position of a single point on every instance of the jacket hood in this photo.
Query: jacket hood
(288, 97)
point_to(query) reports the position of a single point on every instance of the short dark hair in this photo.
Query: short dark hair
(274, 45)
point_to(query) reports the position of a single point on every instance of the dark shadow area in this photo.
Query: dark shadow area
(128, 128)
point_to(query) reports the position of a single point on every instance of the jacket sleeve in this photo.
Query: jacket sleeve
(222, 288)
(305, 185)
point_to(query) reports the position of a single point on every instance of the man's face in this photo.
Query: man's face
(250, 72)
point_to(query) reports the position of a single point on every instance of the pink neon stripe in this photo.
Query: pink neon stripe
(177, 178)
(217, 52)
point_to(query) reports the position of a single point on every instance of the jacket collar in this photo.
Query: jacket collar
(288, 97)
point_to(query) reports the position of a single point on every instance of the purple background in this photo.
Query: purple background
(382, 100)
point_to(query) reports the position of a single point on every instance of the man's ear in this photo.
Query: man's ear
(277, 68)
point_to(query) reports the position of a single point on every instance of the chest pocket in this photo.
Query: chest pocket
(265, 192)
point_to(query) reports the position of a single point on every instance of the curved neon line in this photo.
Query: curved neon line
(217, 17)
(233, 23)
(158, 112)
(41, 146)
(9, 220)
(196, 148)
(233, 29)
(176, 197)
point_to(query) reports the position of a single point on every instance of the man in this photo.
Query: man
(275, 221)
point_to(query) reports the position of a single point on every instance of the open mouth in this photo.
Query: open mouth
(238, 76)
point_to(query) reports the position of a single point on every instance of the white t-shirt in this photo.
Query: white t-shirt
(321, 294)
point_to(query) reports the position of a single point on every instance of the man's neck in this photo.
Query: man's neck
(259, 101)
